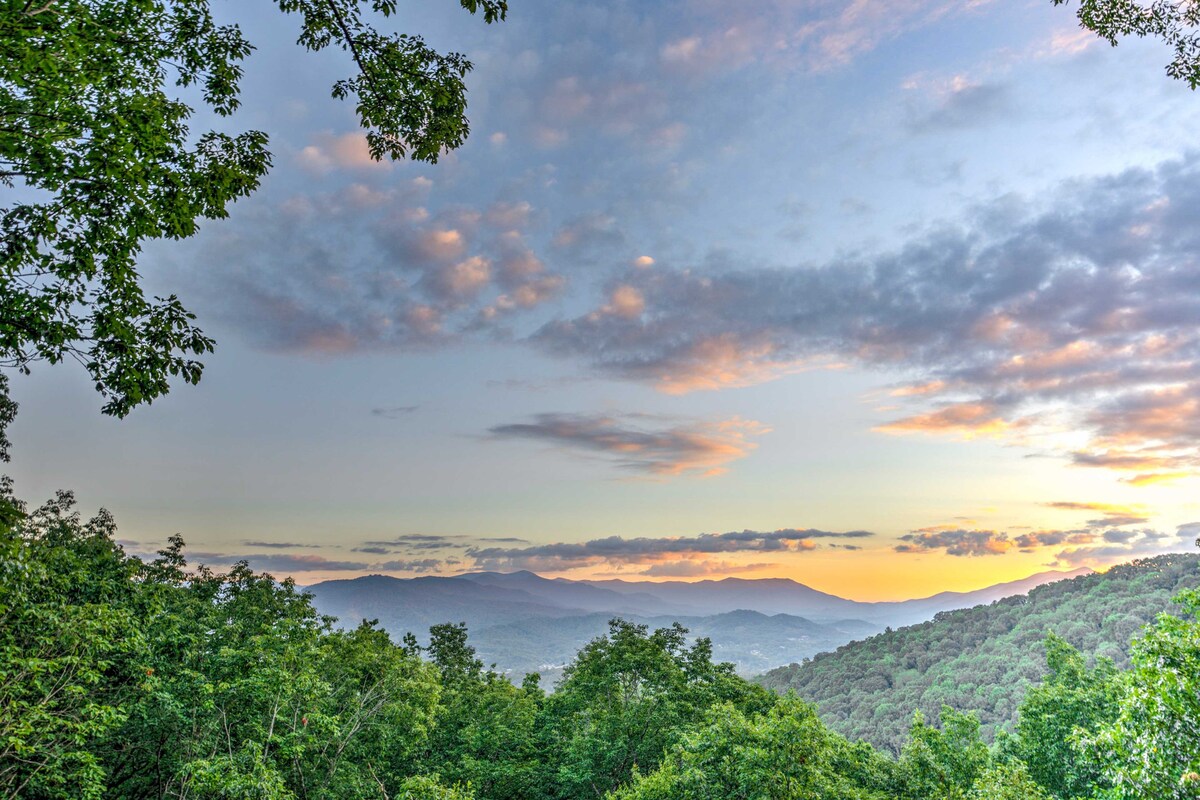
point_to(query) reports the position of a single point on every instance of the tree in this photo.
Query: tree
(784, 754)
(1073, 701)
(943, 764)
(627, 698)
(98, 158)
(1009, 781)
(484, 734)
(1173, 21)
(1151, 751)
(70, 650)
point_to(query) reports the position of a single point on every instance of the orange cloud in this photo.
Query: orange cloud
(968, 420)
(1106, 508)
(722, 362)
(345, 151)
(1151, 478)
(625, 301)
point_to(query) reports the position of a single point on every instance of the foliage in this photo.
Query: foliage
(100, 157)
(485, 729)
(1152, 748)
(127, 679)
(69, 644)
(423, 787)
(1072, 700)
(941, 764)
(627, 698)
(1175, 22)
(1007, 781)
(783, 754)
(983, 658)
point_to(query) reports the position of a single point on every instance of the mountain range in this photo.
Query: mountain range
(522, 622)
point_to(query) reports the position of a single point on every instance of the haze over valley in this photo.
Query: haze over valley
(522, 623)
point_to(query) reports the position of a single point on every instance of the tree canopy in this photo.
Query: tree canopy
(127, 678)
(98, 156)
(1175, 22)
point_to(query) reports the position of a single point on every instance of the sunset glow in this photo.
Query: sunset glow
(889, 298)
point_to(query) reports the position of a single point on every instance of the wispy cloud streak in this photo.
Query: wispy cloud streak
(641, 443)
(620, 551)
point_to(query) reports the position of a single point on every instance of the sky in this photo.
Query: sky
(887, 298)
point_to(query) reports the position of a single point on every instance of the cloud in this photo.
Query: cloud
(814, 36)
(700, 569)
(968, 420)
(394, 412)
(590, 232)
(286, 564)
(1028, 542)
(278, 545)
(326, 274)
(620, 551)
(647, 445)
(281, 563)
(1128, 545)
(1102, 542)
(345, 151)
(963, 105)
(1153, 478)
(413, 543)
(1107, 508)
(1117, 521)
(1026, 319)
(956, 542)
(419, 566)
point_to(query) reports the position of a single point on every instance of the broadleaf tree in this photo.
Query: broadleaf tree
(1175, 22)
(98, 156)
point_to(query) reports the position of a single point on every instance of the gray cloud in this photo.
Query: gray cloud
(292, 564)
(618, 550)
(418, 543)
(394, 412)
(1142, 544)
(1095, 545)
(1028, 542)
(643, 444)
(422, 565)
(368, 269)
(278, 545)
(699, 569)
(413, 543)
(278, 562)
(1117, 521)
(964, 107)
(1076, 311)
(956, 542)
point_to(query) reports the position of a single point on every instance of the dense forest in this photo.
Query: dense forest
(983, 658)
(121, 678)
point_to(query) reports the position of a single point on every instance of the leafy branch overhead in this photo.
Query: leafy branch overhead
(97, 157)
(1175, 22)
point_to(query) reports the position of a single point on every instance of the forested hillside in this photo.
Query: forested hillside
(126, 679)
(983, 658)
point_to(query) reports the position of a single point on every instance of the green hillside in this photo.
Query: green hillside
(130, 680)
(984, 658)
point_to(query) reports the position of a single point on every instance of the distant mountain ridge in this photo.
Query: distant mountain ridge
(524, 622)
